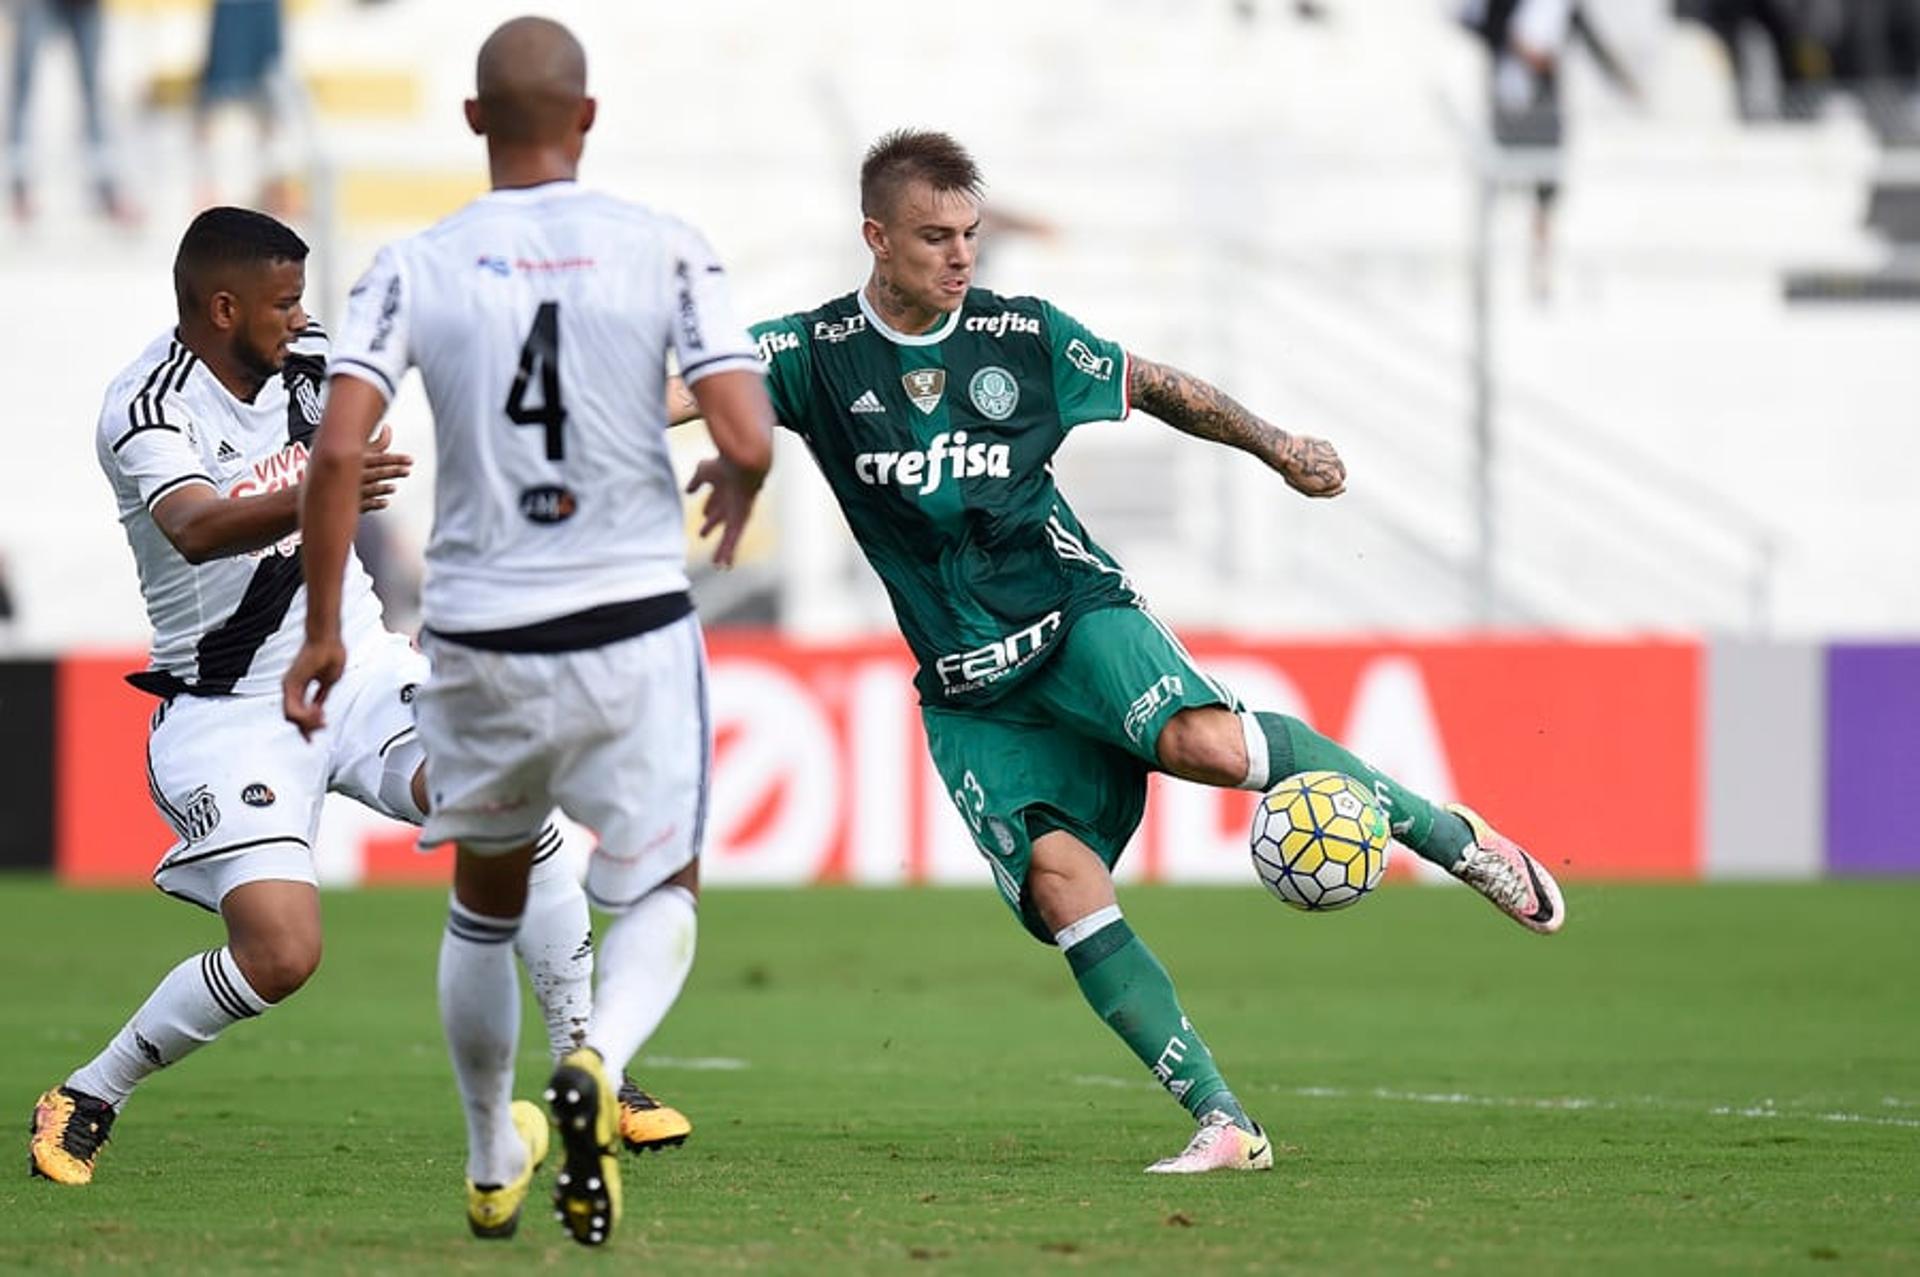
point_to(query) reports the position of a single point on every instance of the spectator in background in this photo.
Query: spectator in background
(1795, 58)
(1879, 42)
(81, 21)
(246, 66)
(1875, 46)
(1528, 41)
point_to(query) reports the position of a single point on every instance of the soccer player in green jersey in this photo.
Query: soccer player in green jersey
(1048, 689)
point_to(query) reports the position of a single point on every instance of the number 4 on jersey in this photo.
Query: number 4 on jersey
(540, 354)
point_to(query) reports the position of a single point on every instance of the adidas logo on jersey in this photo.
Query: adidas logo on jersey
(226, 452)
(868, 402)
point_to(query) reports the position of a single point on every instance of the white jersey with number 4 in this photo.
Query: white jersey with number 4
(541, 319)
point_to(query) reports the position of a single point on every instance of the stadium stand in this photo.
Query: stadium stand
(1675, 447)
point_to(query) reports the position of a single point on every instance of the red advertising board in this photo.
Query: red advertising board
(1590, 753)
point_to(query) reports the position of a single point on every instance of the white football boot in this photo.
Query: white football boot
(1500, 869)
(1219, 1145)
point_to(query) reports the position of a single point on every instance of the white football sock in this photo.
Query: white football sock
(480, 1010)
(644, 959)
(189, 1008)
(556, 944)
(1259, 761)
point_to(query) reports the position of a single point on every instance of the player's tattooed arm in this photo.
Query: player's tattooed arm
(1195, 407)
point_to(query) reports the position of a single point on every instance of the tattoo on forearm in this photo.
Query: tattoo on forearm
(1191, 405)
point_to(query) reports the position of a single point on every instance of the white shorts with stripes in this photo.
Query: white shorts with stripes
(243, 791)
(615, 736)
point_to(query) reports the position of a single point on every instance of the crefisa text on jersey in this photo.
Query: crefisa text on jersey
(1005, 322)
(948, 454)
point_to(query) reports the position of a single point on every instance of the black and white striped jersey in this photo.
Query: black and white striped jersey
(230, 625)
(541, 320)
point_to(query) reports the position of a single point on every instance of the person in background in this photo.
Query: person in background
(246, 66)
(1528, 42)
(1793, 53)
(33, 19)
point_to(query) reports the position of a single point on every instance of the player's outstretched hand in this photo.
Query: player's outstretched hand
(303, 692)
(728, 505)
(1312, 467)
(380, 470)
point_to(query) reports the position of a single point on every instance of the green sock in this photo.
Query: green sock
(1129, 989)
(1433, 832)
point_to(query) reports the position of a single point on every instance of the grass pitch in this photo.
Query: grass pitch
(1689, 1079)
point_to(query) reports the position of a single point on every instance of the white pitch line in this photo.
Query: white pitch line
(694, 1064)
(1766, 1110)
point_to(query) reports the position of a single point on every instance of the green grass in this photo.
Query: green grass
(1691, 1079)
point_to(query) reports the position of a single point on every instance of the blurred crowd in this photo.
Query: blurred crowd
(1786, 55)
(243, 69)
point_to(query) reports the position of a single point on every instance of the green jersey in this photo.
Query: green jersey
(938, 447)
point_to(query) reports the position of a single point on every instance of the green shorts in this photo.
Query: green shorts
(1070, 748)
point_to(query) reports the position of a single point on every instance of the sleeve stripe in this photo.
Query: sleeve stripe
(708, 365)
(171, 484)
(145, 412)
(154, 376)
(344, 364)
(186, 368)
(141, 429)
(1126, 384)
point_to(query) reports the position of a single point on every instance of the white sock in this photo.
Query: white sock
(644, 959)
(480, 1010)
(556, 945)
(1259, 762)
(197, 1000)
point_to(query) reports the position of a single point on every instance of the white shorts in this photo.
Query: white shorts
(243, 791)
(615, 736)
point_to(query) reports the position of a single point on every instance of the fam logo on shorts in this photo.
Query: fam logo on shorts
(201, 815)
(1169, 688)
(257, 795)
(1002, 835)
(994, 392)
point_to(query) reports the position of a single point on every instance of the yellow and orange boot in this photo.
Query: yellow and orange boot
(68, 1129)
(646, 1124)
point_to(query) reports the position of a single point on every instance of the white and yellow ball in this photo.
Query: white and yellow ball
(1319, 840)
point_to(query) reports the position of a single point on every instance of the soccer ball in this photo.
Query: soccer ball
(1319, 840)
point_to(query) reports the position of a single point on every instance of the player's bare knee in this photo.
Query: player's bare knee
(278, 966)
(490, 884)
(1065, 880)
(1204, 744)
